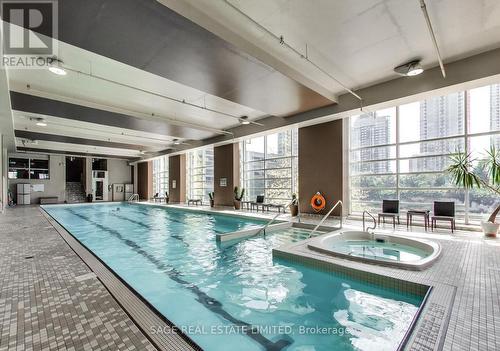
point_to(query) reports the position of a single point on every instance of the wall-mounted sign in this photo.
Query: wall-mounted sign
(223, 182)
(174, 184)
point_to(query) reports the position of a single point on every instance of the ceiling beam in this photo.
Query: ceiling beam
(73, 140)
(36, 104)
(69, 153)
(467, 73)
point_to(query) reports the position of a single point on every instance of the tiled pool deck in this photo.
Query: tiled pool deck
(50, 299)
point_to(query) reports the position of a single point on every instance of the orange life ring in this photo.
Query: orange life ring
(318, 202)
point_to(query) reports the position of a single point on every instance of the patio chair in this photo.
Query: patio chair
(155, 197)
(259, 201)
(390, 208)
(194, 202)
(443, 211)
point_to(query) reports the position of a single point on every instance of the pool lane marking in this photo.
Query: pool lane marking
(150, 227)
(210, 303)
(178, 221)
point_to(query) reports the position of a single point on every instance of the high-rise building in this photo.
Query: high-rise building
(371, 130)
(495, 111)
(440, 116)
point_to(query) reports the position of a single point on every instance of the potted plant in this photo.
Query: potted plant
(469, 174)
(238, 196)
(294, 205)
(211, 196)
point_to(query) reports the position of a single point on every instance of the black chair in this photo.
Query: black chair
(258, 202)
(155, 197)
(390, 208)
(443, 211)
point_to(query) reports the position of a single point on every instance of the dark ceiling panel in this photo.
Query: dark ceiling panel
(72, 140)
(60, 152)
(147, 35)
(35, 104)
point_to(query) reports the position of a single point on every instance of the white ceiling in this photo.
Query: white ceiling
(359, 42)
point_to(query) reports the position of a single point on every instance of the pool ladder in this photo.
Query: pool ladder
(263, 229)
(133, 197)
(326, 216)
(364, 222)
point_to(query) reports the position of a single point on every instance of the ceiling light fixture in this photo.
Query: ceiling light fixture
(39, 121)
(244, 120)
(176, 142)
(55, 66)
(409, 69)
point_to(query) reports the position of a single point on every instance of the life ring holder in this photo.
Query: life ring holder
(318, 202)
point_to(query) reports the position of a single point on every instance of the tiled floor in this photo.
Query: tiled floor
(49, 301)
(49, 298)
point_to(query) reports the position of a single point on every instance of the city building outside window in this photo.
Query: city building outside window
(403, 152)
(200, 174)
(269, 166)
(160, 175)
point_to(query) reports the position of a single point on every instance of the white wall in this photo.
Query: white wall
(55, 186)
(118, 171)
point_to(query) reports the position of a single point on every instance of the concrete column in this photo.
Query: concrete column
(320, 164)
(226, 165)
(145, 180)
(177, 178)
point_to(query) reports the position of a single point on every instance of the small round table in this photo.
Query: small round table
(424, 213)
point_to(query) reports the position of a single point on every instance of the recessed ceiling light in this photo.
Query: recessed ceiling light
(409, 69)
(39, 121)
(244, 120)
(58, 70)
(177, 142)
(55, 66)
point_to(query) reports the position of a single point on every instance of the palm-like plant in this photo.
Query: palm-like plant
(464, 174)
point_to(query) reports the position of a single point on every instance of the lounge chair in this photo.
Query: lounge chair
(390, 208)
(443, 211)
(259, 202)
(195, 202)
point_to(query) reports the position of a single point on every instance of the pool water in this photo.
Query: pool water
(380, 250)
(172, 259)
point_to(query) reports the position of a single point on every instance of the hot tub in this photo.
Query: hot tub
(387, 250)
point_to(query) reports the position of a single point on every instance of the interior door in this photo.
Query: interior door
(99, 190)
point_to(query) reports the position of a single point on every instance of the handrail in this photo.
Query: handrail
(133, 197)
(327, 215)
(273, 219)
(365, 212)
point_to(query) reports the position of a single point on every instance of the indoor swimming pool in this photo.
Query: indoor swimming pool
(236, 296)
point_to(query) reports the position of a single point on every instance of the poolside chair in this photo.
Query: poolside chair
(390, 208)
(155, 197)
(258, 202)
(443, 211)
(195, 202)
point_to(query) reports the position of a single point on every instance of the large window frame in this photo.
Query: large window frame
(160, 175)
(260, 165)
(200, 174)
(464, 139)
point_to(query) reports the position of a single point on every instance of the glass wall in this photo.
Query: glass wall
(269, 166)
(160, 175)
(200, 174)
(402, 152)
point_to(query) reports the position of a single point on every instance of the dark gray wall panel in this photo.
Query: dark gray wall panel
(150, 36)
(72, 140)
(35, 104)
(60, 152)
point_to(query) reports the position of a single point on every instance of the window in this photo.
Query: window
(410, 165)
(200, 174)
(28, 168)
(160, 175)
(269, 166)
